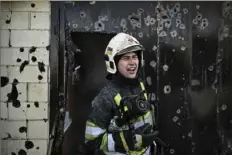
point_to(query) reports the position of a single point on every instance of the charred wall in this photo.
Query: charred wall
(188, 64)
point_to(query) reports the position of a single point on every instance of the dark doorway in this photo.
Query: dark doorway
(91, 78)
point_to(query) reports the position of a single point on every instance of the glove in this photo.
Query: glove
(130, 139)
(148, 135)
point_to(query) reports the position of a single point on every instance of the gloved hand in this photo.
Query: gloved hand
(129, 137)
(138, 138)
(148, 135)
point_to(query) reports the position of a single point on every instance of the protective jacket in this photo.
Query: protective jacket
(104, 108)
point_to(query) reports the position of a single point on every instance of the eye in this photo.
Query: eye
(126, 58)
(135, 57)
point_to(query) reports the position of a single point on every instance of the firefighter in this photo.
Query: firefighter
(124, 60)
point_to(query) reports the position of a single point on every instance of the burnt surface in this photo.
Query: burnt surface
(92, 73)
(188, 68)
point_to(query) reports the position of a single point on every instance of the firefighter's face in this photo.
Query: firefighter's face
(128, 65)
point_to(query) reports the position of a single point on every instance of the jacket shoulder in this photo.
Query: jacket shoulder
(103, 106)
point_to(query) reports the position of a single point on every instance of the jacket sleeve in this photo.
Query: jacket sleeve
(99, 119)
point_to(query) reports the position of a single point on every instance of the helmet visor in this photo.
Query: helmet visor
(131, 49)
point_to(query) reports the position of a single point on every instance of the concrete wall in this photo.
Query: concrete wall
(24, 66)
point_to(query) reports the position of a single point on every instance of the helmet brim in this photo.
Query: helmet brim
(131, 49)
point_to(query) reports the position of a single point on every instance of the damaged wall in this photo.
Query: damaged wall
(24, 52)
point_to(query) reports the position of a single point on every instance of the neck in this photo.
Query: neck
(123, 81)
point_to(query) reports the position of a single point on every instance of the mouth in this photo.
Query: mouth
(131, 70)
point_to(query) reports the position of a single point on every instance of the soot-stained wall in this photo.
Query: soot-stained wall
(24, 65)
(187, 64)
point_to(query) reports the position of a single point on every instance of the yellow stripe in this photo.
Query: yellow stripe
(140, 141)
(145, 95)
(89, 123)
(124, 141)
(104, 142)
(127, 148)
(142, 85)
(117, 99)
(125, 108)
(90, 137)
(144, 116)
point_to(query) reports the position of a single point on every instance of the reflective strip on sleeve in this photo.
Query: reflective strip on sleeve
(89, 137)
(94, 130)
(138, 124)
(111, 143)
(148, 151)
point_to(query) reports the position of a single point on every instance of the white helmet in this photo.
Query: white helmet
(120, 44)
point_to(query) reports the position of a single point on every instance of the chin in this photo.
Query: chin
(131, 77)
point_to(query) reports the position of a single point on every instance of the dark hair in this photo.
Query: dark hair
(118, 57)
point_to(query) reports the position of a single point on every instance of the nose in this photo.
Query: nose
(132, 61)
